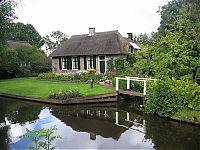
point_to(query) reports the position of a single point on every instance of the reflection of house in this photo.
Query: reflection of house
(19, 44)
(93, 122)
(92, 50)
(96, 122)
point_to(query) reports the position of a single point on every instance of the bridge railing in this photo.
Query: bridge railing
(128, 82)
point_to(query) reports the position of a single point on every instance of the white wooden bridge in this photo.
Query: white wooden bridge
(128, 86)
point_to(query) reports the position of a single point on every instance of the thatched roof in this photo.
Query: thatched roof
(101, 43)
(105, 128)
(19, 44)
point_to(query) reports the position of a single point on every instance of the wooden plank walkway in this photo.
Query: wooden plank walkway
(131, 93)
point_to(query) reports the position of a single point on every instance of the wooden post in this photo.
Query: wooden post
(116, 118)
(127, 117)
(117, 84)
(105, 114)
(128, 83)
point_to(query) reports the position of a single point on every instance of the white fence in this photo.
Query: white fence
(128, 82)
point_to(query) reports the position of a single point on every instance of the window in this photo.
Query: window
(74, 63)
(90, 62)
(64, 63)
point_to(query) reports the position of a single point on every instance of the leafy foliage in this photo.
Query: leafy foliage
(110, 64)
(41, 138)
(52, 41)
(135, 85)
(23, 62)
(64, 95)
(7, 15)
(120, 65)
(168, 96)
(22, 32)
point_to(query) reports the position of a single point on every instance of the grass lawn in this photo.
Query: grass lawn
(40, 89)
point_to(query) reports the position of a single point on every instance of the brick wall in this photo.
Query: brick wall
(56, 69)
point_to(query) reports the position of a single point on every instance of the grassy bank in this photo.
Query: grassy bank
(187, 115)
(40, 89)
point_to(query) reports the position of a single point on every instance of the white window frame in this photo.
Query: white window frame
(73, 63)
(62, 63)
(88, 62)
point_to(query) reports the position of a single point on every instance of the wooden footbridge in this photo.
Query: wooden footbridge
(130, 92)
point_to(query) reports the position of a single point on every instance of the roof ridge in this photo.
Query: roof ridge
(114, 31)
(18, 41)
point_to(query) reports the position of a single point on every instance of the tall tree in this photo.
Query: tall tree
(182, 17)
(7, 14)
(173, 51)
(22, 32)
(52, 41)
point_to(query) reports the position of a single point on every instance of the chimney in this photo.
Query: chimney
(91, 31)
(130, 36)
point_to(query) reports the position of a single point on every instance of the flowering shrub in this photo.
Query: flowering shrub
(83, 77)
(53, 76)
(64, 95)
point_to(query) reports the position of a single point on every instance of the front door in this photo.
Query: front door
(102, 63)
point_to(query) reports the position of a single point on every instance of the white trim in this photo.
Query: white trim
(134, 45)
(105, 62)
(87, 58)
(73, 62)
(62, 63)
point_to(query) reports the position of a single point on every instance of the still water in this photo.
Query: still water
(105, 126)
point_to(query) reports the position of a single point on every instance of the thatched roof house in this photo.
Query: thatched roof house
(92, 50)
(19, 44)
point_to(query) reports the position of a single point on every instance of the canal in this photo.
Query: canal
(100, 126)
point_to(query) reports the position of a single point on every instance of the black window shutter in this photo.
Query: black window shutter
(94, 62)
(78, 59)
(60, 63)
(69, 62)
(85, 63)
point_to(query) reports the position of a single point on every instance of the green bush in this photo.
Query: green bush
(41, 76)
(85, 77)
(137, 86)
(110, 64)
(76, 76)
(167, 96)
(98, 77)
(110, 75)
(53, 76)
(63, 77)
(49, 76)
(120, 65)
(64, 95)
(122, 84)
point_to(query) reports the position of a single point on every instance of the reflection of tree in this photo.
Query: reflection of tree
(168, 134)
(18, 111)
(4, 137)
(24, 114)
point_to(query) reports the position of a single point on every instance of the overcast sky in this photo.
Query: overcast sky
(76, 16)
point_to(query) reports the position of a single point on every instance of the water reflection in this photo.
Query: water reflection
(106, 126)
